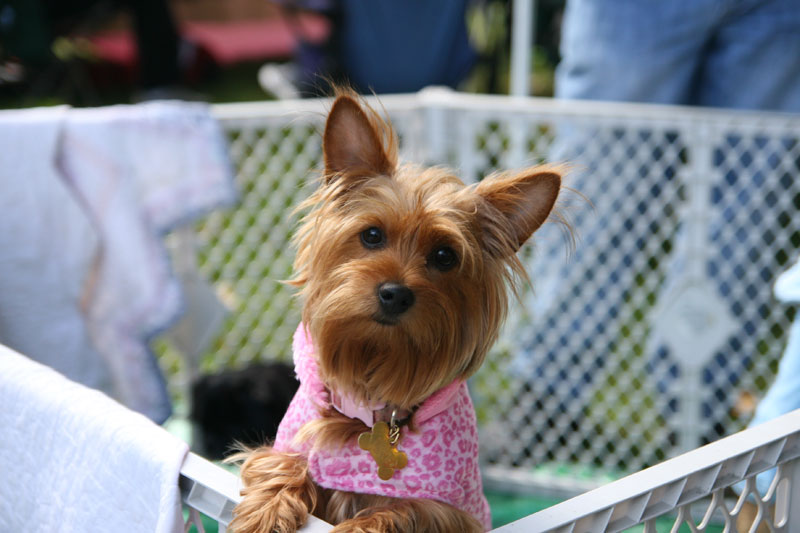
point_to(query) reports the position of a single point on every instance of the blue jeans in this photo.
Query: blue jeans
(724, 53)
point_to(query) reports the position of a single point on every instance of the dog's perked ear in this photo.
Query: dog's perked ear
(525, 199)
(353, 142)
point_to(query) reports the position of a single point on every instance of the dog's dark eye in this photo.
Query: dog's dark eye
(372, 238)
(443, 258)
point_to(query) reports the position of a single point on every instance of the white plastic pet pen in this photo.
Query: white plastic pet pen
(651, 339)
(648, 341)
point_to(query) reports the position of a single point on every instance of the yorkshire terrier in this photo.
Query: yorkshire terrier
(404, 274)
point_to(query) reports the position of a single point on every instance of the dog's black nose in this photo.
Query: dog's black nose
(395, 299)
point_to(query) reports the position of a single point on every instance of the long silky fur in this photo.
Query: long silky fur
(382, 514)
(278, 492)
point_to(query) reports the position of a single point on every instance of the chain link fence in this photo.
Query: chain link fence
(656, 334)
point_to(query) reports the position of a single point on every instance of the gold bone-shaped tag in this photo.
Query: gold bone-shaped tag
(385, 453)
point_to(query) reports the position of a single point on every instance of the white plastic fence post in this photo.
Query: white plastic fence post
(522, 31)
(517, 153)
(787, 508)
(435, 114)
(465, 126)
(693, 320)
(691, 367)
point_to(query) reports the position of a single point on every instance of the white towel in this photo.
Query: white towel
(74, 460)
(140, 171)
(85, 280)
(47, 243)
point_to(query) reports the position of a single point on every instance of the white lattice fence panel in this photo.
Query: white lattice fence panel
(654, 335)
(245, 252)
(642, 343)
(580, 340)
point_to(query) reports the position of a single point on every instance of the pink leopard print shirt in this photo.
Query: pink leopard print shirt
(442, 454)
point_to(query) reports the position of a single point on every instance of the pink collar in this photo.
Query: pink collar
(305, 364)
(352, 408)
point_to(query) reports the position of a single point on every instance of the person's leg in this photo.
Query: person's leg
(158, 42)
(754, 58)
(753, 62)
(635, 50)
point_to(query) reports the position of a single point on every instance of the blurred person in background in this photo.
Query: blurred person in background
(739, 54)
(379, 45)
(742, 54)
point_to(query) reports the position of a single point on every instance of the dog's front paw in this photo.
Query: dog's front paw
(419, 516)
(278, 493)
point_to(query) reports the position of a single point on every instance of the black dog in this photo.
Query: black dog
(240, 406)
